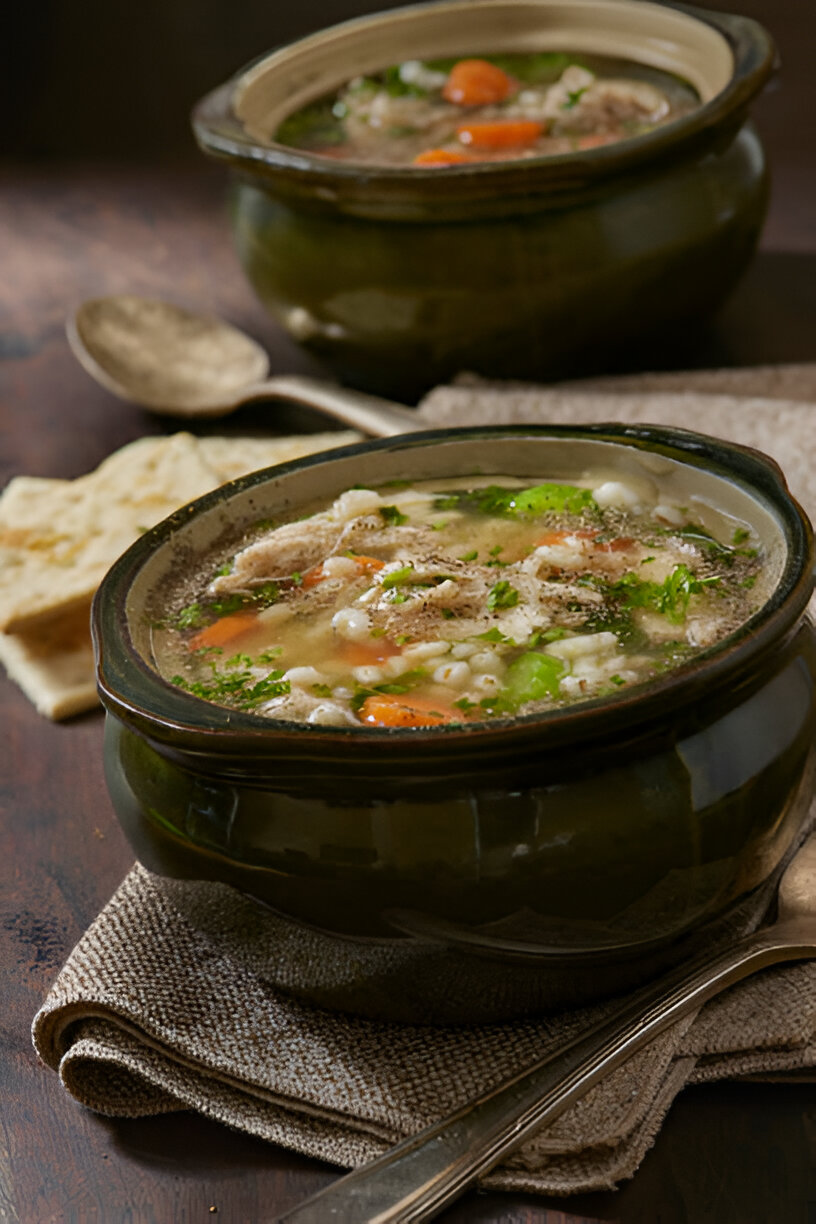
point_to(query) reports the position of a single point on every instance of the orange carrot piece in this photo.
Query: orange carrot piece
(619, 544)
(367, 564)
(385, 710)
(316, 574)
(440, 157)
(312, 577)
(476, 82)
(224, 630)
(501, 134)
(558, 537)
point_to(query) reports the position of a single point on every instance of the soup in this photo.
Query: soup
(492, 108)
(437, 603)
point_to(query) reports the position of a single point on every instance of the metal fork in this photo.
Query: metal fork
(416, 1178)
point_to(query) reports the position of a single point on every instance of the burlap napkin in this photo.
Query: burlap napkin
(152, 1014)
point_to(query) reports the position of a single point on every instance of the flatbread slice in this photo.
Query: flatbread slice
(55, 547)
(54, 666)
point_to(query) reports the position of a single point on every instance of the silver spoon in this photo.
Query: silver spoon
(419, 1176)
(173, 361)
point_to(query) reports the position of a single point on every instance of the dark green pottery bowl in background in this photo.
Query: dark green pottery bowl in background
(397, 278)
(475, 872)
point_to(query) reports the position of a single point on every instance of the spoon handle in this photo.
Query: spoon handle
(414, 1180)
(380, 418)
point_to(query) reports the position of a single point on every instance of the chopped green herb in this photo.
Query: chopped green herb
(546, 635)
(237, 688)
(239, 660)
(393, 516)
(469, 556)
(502, 595)
(494, 635)
(322, 690)
(398, 577)
(402, 684)
(266, 594)
(227, 605)
(395, 87)
(740, 535)
(447, 613)
(268, 656)
(574, 96)
(191, 617)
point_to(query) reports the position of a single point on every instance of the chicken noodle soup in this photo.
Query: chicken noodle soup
(490, 108)
(453, 602)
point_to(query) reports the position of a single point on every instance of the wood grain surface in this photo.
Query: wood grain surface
(729, 1154)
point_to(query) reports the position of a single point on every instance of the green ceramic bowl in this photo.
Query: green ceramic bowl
(399, 277)
(481, 871)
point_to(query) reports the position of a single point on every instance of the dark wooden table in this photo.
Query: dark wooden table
(729, 1154)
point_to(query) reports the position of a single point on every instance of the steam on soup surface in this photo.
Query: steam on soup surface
(458, 601)
(495, 108)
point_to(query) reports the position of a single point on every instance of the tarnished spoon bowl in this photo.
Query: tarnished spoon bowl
(176, 362)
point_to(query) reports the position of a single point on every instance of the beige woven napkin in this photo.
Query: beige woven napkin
(152, 1014)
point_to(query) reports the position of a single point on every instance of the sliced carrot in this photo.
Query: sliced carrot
(558, 537)
(312, 577)
(366, 654)
(224, 630)
(501, 134)
(385, 710)
(368, 564)
(477, 82)
(316, 574)
(619, 544)
(440, 157)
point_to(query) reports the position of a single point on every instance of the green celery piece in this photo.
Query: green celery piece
(519, 503)
(398, 577)
(532, 677)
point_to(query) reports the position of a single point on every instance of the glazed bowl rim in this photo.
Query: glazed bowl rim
(134, 690)
(754, 59)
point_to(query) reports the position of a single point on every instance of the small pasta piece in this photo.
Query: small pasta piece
(352, 623)
(454, 674)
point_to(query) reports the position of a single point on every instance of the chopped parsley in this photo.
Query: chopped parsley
(402, 684)
(393, 516)
(398, 577)
(502, 595)
(242, 689)
(495, 635)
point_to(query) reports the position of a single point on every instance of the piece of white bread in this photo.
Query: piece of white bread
(59, 537)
